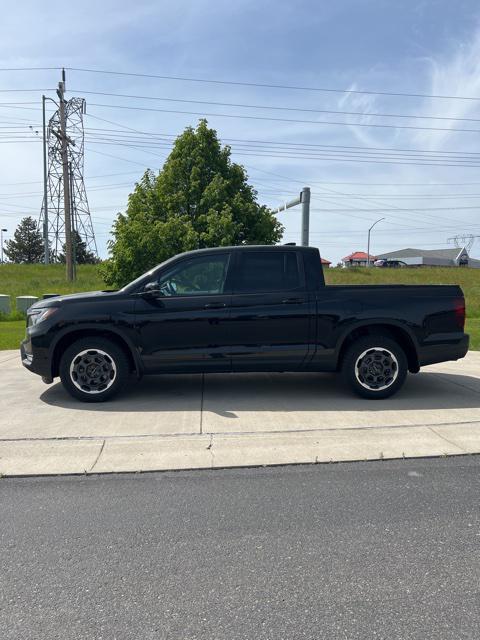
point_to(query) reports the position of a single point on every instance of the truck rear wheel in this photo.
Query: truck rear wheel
(375, 367)
(93, 369)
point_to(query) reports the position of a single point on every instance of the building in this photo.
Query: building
(325, 263)
(449, 257)
(357, 259)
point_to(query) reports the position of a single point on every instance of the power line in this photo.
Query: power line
(109, 155)
(25, 90)
(150, 134)
(347, 195)
(387, 207)
(277, 108)
(401, 209)
(318, 151)
(295, 152)
(270, 86)
(388, 160)
(290, 120)
(30, 68)
(105, 175)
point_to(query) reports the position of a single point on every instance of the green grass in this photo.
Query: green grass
(473, 328)
(17, 280)
(37, 279)
(11, 334)
(468, 279)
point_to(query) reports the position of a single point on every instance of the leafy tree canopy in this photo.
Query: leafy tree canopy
(26, 246)
(199, 199)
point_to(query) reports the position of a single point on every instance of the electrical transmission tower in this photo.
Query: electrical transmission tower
(463, 240)
(65, 211)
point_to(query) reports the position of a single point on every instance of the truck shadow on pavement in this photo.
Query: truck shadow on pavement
(225, 395)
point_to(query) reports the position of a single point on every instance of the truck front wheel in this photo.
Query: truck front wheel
(375, 367)
(93, 369)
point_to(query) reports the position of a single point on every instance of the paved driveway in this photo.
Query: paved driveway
(194, 421)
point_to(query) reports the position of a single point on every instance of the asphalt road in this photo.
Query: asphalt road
(378, 550)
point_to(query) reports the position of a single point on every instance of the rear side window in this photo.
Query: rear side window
(265, 271)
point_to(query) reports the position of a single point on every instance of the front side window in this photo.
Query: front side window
(204, 275)
(263, 271)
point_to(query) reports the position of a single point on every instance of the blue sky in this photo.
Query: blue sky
(424, 47)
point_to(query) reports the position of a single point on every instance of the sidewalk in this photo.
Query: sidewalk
(182, 422)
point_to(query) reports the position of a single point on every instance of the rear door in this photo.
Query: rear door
(271, 311)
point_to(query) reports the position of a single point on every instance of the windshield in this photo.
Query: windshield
(133, 285)
(145, 277)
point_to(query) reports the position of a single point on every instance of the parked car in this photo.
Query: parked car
(248, 308)
(390, 264)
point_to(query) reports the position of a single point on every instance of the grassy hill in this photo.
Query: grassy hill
(37, 279)
(17, 280)
(468, 279)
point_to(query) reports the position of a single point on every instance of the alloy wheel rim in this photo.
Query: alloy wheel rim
(93, 371)
(376, 368)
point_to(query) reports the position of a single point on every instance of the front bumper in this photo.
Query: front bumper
(444, 351)
(35, 360)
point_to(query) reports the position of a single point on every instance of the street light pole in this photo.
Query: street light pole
(1, 245)
(368, 245)
(303, 199)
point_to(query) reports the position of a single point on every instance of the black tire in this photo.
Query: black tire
(375, 367)
(106, 363)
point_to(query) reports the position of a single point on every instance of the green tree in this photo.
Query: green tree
(27, 243)
(199, 199)
(81, 253)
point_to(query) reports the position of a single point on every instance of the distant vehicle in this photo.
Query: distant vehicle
(390, 264)
(243, 308)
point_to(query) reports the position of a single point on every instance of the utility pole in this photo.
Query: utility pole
(368, 244)
(62, 135)
(1, 245)
(45, 194)
(304, 200)
(73, 221)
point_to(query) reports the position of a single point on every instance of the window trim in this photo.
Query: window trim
(237, 266)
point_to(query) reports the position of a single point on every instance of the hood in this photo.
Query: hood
(71, 297)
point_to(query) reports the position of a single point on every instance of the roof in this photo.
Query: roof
(358, 255)
(248, 247)
(449, 253)
(324, 261)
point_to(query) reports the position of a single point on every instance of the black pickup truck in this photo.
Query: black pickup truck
(248, 308)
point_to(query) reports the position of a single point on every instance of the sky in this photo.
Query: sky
(416, 166)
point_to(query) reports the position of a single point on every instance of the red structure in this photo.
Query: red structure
(357, 259)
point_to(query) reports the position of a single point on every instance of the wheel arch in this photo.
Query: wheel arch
(398, 333)
(119, 339)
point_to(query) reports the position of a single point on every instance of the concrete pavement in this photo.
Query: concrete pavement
(182, 422)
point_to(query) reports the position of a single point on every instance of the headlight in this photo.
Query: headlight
(39, 315)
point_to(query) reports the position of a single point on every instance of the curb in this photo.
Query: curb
(220, 450)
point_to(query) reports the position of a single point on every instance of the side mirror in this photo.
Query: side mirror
(151, 290)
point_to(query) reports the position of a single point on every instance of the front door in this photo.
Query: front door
(271, 311)
(184, 328)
